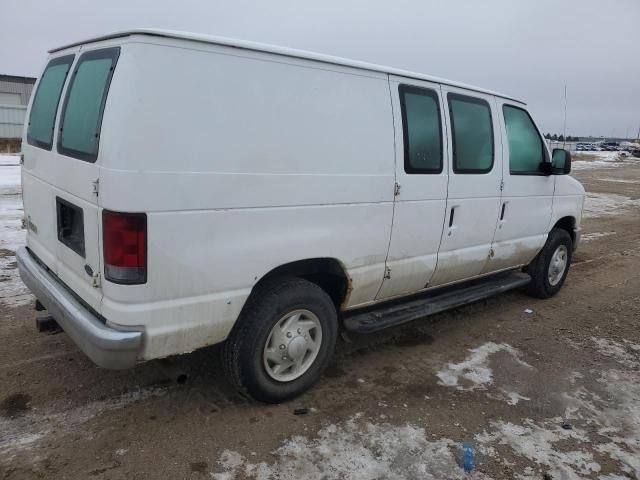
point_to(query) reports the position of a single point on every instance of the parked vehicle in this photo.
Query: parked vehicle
(183, 190)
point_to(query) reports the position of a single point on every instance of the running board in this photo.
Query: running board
(451, 297)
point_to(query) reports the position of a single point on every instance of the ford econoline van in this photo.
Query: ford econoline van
(182, 190)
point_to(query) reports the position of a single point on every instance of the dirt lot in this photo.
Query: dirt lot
(543, 389)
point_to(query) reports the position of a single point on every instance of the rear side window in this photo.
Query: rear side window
(45, 103)
(472, 134)
(422, 130)
(84, 104)
(526, 150)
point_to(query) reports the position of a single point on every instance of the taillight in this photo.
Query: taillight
(125, 247)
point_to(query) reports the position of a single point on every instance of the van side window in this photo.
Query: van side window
(422, 130)
(45, 102)
(526, 150)
(471, 134)
(84, 104)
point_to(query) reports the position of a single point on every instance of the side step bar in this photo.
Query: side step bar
(408, 311)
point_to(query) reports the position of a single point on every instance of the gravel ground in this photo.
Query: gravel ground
(542, 389)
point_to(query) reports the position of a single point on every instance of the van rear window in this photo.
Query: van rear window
(45, 102)
(81, 118)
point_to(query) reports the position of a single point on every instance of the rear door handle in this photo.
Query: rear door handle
(453, 209)
(504, 206)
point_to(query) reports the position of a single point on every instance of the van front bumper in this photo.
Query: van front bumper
(106, 346)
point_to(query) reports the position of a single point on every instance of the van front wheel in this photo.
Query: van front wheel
(550, 267)
(283, 341)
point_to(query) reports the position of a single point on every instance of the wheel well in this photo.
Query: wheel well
(327, 273)
(568, 224)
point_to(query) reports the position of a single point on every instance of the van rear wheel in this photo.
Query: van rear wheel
(283, 340)
(550, 267)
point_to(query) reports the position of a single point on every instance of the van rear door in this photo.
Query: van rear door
(61, 170)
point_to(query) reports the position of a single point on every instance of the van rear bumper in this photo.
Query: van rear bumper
(106, 346)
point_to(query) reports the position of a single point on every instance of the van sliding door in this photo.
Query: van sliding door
(475, 176)
(421, 190)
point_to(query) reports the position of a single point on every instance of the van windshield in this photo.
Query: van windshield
(84, 104)
(45, 102)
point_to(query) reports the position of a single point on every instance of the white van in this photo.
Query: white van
(182, 190)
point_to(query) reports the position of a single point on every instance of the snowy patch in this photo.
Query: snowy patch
(475, 368)
(604, 418)
(600, 204)
(21, 432)
(12, 236)
(9, 160)
(591, 160)
(587, 237)
(354, 450)
(537, 444)
(618, 351)
(618, 180)
(10, 180)
(514, 397)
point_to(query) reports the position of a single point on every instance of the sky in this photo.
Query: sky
(529, 49)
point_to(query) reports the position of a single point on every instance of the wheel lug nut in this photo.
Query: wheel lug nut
(289, 334)
(284, 357)
(282, 347)
(299, 330)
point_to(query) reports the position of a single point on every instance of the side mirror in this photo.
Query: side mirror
(561, 162)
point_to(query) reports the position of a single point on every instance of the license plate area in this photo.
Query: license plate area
(70, 226)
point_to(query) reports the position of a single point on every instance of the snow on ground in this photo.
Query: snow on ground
(12, 236)
(9, 179)
(587, 237)
(606, 421)
(20, 431)
(9, 159)
(586, 161)
(618, 180)
(356, 449)
(601, 204)
(475, 370)
(599, 420)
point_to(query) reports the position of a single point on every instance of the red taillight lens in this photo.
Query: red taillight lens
(125, 247)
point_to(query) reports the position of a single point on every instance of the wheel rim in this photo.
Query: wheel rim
(292, 346)
(558, 265)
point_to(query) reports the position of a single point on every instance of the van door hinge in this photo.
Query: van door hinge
(95, 186)
(387, 273)
(501, 185)
(95, 280)
(396, 190)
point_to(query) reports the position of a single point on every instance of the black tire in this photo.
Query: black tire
(242, 353)
(540, 286)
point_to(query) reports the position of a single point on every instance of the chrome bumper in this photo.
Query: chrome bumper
(106, 346)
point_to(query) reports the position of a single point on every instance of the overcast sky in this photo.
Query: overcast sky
(526, 48)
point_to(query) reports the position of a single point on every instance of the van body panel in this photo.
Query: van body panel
(419, 209)
(244, 160)
(474, 199)
(48, 178)
(527, 199)
(254, 182)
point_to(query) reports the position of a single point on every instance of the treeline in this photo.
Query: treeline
(560, 138)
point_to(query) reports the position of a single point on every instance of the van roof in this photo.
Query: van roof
(289, 52)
